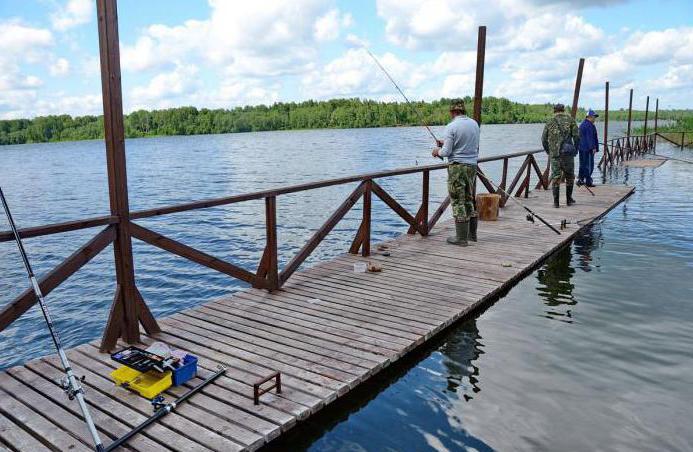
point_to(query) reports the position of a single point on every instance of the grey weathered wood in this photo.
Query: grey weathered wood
(328, 330)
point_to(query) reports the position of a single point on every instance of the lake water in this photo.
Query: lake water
(591, 352)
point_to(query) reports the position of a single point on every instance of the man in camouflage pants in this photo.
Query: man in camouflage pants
(461, 146)
(556, 131)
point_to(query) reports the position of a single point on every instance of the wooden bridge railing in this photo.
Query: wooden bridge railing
(672, 135)
(268, 275)
(617, 150)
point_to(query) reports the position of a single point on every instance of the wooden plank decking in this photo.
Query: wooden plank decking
(328, 330)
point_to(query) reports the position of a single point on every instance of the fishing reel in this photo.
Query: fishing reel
(158, 402)
(530, 218)
(64, 384)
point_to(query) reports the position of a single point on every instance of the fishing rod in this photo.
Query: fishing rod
(416, 110)
(162, 409)
(418, 113)
(70, 384)
(531, 212)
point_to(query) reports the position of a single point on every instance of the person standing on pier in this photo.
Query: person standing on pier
(461, 146)
(561, 141)
(589, 145)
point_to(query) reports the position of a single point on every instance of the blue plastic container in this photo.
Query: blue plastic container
(185, 372)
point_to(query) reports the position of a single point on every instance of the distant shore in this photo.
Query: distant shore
(328, 114)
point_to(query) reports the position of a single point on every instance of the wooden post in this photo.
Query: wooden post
(366, 244)
(479, 83)
(605, 138)
(424, 200)
(630, 115)
(128, 308)
(529, 175)
(654, 144)
(644, 135)
(578, 83)
(504, 179)
(271, 236)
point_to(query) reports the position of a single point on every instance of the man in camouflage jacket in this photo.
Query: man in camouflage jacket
(556, 131)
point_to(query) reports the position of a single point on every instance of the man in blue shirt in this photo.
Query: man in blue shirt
(589, 145)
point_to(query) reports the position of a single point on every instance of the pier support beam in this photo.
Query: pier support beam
(647, 111)
(605, 138)
(128, 307)
(578, 84)
(479, 83)
(630, 116)
(655, 123)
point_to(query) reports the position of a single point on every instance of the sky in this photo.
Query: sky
(228, 53)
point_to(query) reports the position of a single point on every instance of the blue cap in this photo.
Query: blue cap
(592, 113)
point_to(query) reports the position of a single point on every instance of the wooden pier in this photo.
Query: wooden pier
(327, 330)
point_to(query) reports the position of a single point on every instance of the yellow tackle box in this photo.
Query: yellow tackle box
(148, 384)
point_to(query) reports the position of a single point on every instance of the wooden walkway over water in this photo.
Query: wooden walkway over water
(328, 330)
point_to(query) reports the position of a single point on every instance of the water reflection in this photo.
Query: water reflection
(555, 286)
(422, 399)
(460, 352)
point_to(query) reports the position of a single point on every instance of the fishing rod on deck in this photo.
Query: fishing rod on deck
(532, 213)
(70, 383)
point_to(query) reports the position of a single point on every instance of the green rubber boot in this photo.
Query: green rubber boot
(569, 195)
(473, 223)
(462, 233)
(556, 195)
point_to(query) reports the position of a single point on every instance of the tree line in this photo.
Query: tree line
(335, 113)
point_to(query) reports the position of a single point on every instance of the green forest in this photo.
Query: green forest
(335, 113)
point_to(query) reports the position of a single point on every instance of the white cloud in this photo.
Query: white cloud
(356, 74)
(678, 77)
(355, 41)
(21, 41)
(672, 44)
(275, 36)
(167, 87)
(72, 14)
(328, 27)
(60, 67)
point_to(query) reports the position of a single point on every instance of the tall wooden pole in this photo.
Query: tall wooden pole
(479, 83)
(647, 111)
(128, 307)
(655, 124)
(578, 83)
(605, 138)
(630, 115)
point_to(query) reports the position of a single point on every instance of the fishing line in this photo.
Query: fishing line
(411, 105)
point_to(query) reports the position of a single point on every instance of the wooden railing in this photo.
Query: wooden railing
(671, 137)
(268, 275)
(617, 150)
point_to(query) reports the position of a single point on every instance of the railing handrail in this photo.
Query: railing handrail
(623, 137)
(73, 225)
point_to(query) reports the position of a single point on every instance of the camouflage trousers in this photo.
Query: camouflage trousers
(562, 169)
(461, 179)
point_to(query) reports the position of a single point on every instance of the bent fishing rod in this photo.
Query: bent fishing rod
(70, 384)
(531, 212)
(411, 105)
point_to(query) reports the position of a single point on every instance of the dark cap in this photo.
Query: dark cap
(558, 108)
(457, 105)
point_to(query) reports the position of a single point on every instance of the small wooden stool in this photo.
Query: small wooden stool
(487, 205)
